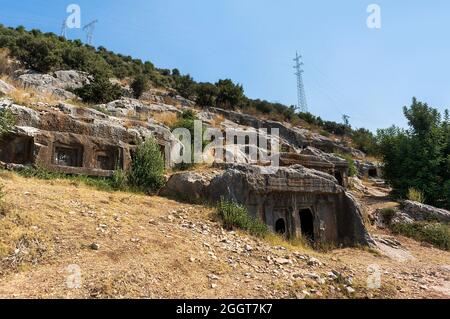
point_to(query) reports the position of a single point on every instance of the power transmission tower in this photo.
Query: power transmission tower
(301, 96)
(89, 28)
(64, 28)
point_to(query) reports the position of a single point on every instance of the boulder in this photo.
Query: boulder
(5, 88)
(419, 212)
(57, 83)
(189, 186)
(129, 106)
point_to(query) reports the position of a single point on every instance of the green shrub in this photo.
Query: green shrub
(418, 157)
(206, 94)
(352, 171)
(236, 216)
(139, 85)
(436, 234)
(101, 183)
(185, 85)
(186, 120)
(387, 214)
(364, 140)
(100, 90)
(229, 95)
(7, 121)
(415, 195)
(119, 180)
(147, 167)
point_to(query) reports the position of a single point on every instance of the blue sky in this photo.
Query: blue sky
(368, 74)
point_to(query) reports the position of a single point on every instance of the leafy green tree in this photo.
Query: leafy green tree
(99, 90)
(206, 94)
(418, 157)
(185, 86)
(229, 95)
(139, 85)
(364, 140)
(147, 167)
(40, 54)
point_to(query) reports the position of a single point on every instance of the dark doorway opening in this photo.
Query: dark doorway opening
(280, 226)
(373, 172)
(307, 223)
(339, 178)
(17, 149)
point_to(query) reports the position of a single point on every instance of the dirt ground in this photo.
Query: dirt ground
(61, 239)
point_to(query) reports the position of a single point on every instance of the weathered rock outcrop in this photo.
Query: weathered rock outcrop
(367, 169)
(419, 212)
(296, 136)
(5, 88)
(189, 186)
(295, 199)
(129, 107)
(57, 83)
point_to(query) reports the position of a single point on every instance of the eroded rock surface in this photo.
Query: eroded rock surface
(58, 83)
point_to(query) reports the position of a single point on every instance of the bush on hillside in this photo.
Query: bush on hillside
(434, 233)
(352, 171)
(147, 167)
(7, 121)
(206, 94)
(99, 90)
(236, 216)
(229, 95)
(139, 85)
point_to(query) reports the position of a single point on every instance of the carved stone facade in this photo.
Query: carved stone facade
(74, 140)
(294, 201)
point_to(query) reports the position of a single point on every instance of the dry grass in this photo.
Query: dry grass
(28, 96)
(217, 121)
(166, 118)
(295, 244)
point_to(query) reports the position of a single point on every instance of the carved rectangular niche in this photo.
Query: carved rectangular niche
(68, 155)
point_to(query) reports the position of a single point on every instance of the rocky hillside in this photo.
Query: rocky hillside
(135, 246)
(60, 118)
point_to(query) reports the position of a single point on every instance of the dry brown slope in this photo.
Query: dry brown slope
(152, 247)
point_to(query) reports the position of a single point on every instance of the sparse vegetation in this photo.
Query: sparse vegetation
(236, 216)
(6, 121)
(387, 214)
(437, 234)
(119, 180)
(186, 120)
(100, 183)
(415, 195)
(352, 171)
